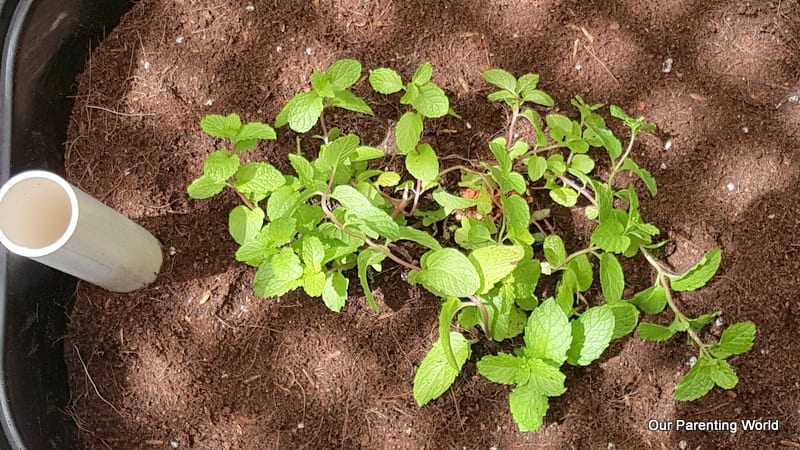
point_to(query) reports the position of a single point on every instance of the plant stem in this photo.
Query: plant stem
(381, 248)
(570, 257)
(417, 193)
(512, 124)
(580, 190)
(241, 196)
(621, 160)
(323, 125)
(484, 313)
(662, 278)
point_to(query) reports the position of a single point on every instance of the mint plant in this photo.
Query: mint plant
(484, 247)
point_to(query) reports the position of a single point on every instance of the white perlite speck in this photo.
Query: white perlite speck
(719, 322)
(179, 40)
(146, 65)
(730, 187)
(249, 7)
(745, 130)
(301, 425)
(209, 102)
(668, 144)
(683, 445)
(663, 166)
(173, 444)
(172, 251)
(578, 66)
(666, 66)
(692, 361)
(308, 51)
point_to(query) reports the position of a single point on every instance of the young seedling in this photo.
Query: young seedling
(338, 214)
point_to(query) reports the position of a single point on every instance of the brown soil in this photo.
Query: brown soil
(196, 361)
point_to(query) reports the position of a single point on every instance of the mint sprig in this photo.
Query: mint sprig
(481, 231)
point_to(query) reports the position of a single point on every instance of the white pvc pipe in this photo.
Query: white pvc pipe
(45, 218)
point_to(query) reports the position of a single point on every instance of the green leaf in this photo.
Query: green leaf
(321, 84)
(527, 83)
(337, 152)
(548, 334)
(204, 187)
(560, 126)
(528, 407)
(245, 223)
(554, 250)
(495, 262)
(724, 376)
(537, 166)
(388, 179)
(502, 96)
(608, 235)
(361, 210)
(418, 236)
(450, 308)
(542, 377)
(434, 375)
(366, 153)
(523, 281)
(518, 217)
(538, 97)
(556, 164)
(408, 132)
(369, 257)
(701, 321)
(698, 381)
(626, 317)
(518, 148)
(501, 79)
(385, 81)
(645, 175)
(279, 275)
(349, 101)
(219, 166)
(498, 148)
(422, 74)
(582, 163)
(654, 332)
(313, 252)
(591, 334)
(343, 73)
(244, 145)
(698, 276)
(452, 202)
(334, 294)
(258, 178)
(610, 142)
(412, 92)
(313, 282)
(431, 101)
(612, 279)
(584, 273)
(652, 300)
(282, 202)
(736, 339)
(423, 164)
(305, 171)
(501, 368)
(221, 126)
(472, 234)
(564, 196)
(303, 111)
(255, 131)
(448, 272)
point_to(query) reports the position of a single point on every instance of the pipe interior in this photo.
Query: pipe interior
(35, 213)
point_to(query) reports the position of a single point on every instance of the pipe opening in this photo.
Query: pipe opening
(35, 213)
